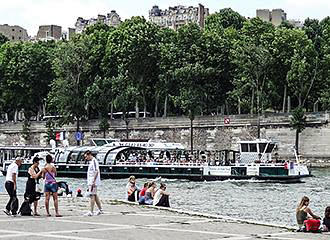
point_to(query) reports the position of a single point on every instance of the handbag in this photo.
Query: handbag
(38, 188)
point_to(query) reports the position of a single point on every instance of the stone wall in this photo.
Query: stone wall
(210, 132)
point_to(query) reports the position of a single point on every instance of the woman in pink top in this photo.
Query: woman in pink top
(49, 173)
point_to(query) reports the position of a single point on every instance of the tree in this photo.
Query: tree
(99, 96)
(134, 45)
(298, 122)
(27, 73)
(72, 67)
(225, 18)
(192, 78)
(3, 39)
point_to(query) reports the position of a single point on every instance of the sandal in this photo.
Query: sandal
(36, 214)
(59, 215)
(48, 215)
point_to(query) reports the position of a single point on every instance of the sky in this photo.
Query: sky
(29, 14)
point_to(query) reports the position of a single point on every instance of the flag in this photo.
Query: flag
(60, 136)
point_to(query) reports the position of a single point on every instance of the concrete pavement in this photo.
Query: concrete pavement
(127, 221)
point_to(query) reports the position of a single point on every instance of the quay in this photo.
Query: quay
(129, 221)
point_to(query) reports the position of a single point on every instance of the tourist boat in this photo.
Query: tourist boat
(254, 160)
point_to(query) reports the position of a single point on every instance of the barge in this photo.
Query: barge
(254, 160)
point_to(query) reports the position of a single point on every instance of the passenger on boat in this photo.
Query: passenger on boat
(161, 198)
(51, 187)
(143, 193)
(132, 190)
(303, 212)
(150, 193)
(32, 191)
(326, 220)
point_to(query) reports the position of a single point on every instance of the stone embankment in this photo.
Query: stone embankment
(210, 132)
(126, 221)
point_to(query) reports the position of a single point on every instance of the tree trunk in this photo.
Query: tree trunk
(165, 106)
(144, 107)
(156, 105)
(289, 104)
(111, 111)
(191, 135)
(252, 102)
(297, 141)
(284, 98)
(127, 133)
(136, 109)
(239, 105)
(15, 115)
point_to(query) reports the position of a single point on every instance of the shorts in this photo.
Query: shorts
(92, 190)
(51, 187)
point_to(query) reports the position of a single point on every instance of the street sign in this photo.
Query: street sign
(79, 136)
(226, 120)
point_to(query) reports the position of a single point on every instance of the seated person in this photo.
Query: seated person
(150, 193)
(63, 187)
(143, 192)
(326, 220)
(161, 198)
(132, 190)
(79, 193)
(303, 212)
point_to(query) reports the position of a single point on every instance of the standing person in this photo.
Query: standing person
(31, 194)
(303, 212)
(49, 173)
(161, 198)
(11, 186)
(93, 181)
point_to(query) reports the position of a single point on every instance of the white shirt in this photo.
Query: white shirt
(93, 168)
(157, 196)
(12, 168)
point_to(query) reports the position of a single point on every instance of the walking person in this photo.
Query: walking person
(11, 186)
(31, 194)
(93, 181)
(49, 173)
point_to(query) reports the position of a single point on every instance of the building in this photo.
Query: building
(111, 19)
(14, 33)
(49, 32)
(276, 16)
(174, 17)
(296, 23)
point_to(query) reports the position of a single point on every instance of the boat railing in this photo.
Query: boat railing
(160, 164)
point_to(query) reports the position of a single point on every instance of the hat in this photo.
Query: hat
(19, 158)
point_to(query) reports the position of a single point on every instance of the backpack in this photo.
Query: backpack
(25, 209)
(312, 225)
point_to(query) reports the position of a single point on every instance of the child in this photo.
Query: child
(326, 220)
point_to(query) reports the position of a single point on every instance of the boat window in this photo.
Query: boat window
(73, 157)
(253, 147)
(262, 147)
(270, 148)
(244, 147)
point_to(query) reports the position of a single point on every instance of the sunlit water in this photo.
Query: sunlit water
(250, 200)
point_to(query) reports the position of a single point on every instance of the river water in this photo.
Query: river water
(248, 199)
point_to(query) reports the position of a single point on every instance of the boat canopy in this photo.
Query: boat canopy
(259, 150)
(104, 154)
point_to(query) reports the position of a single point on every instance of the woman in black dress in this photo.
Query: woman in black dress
(30, 190)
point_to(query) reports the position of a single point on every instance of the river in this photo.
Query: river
(248, 199)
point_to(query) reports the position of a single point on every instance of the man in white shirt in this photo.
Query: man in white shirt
(93, 181)
(11, 186)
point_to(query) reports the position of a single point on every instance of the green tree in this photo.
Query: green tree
(99, 96)
(133, 46)
(225, 18)
(192, 78)
(3, 39)
(73, 71)
(298, 123)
